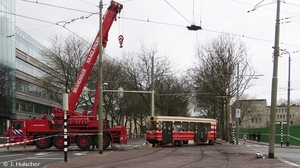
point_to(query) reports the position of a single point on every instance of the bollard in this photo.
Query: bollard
(7, 141)
(245, 140)
(281, 134)
(233, 137)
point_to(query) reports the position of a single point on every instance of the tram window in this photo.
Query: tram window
(207, 127)
(192, 126)
(185, 126)
(177, 126)
(151, 125)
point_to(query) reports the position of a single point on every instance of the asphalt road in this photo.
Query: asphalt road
(18, 156)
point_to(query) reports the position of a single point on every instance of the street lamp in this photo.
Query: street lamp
(288, 97)
(238, 111)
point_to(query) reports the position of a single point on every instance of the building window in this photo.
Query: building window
(26, 106)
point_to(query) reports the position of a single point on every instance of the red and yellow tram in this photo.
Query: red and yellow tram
(176, 131)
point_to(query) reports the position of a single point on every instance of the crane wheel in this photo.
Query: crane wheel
(84, 141)
(58, 142)
(43, 143)
(106, 141)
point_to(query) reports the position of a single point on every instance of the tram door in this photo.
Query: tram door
(200, 132)
(167, 133)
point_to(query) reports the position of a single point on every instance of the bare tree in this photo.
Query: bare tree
(172, 96)
(295, 102)
(216, 74)
(138, 71)
(281, 102)
(65, 56)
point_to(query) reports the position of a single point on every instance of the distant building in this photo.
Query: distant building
(281, 115)
(255, 113)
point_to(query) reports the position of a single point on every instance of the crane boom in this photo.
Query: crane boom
(92, 56)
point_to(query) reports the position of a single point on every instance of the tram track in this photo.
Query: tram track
(200, 158)
(156, 155)
(228, 161)
(207, 157)
(137, 159)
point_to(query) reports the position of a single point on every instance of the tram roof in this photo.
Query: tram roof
(178, 118)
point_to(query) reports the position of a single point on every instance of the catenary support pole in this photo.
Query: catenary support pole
(237, 118)
(152, 86)
(274, 84)
(288, 103)
(100, 103)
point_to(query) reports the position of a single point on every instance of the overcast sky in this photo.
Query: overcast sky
(163, 23)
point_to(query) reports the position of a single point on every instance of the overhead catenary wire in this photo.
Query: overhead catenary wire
(178, 12)
(169, 24)
(141, 20)
(184, 26)
(56, 6)
(155, 22)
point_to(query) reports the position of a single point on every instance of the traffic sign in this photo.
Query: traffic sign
(237, 113)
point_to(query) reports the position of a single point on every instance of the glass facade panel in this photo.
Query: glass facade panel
(29, 69)
(7, 62)
(29, 88)
(28, 45)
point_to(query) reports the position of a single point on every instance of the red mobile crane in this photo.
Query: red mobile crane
(82, 128)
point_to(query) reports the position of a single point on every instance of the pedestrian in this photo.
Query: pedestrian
(258, 136)
(254, 136)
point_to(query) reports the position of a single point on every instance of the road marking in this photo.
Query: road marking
(61, 158)
(43, 153)
(288, 162)
(12, 155)
(79, 153)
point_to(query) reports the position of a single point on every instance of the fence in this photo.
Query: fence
(265, 132)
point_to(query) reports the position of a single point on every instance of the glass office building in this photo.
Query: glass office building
(7, 62)
(21, 66)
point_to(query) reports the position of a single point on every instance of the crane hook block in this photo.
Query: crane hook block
(121, 39)
(194, 27)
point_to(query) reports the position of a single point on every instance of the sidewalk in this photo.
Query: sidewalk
(276, 144)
